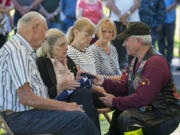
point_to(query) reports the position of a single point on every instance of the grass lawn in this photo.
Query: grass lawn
(104, 123)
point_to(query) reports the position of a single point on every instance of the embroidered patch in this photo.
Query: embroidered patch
(143, 83)
(146, 81)
(137, 82)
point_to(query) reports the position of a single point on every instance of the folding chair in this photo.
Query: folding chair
(105, 112)
(4, 126)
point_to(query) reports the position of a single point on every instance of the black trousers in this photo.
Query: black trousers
(124, 59)
(134, 119)
(122, 54)
(84, 97)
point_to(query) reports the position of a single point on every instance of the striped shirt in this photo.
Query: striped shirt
(18, 66)
(83, 59)
(106, 65)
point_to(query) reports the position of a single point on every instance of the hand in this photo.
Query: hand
(23, 10)
(123, 19)
(72, 107)
(50, 17)
(66, 84)
(107, 99)
(98, 89)
(115, 78)
(26, 9)
(158, 29)
(99, 80)
(78, 75)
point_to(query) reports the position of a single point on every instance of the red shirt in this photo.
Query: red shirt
(91, 11)
(155, 76)
(8, 2)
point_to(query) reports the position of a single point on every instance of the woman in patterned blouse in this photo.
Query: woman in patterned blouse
(104, 53)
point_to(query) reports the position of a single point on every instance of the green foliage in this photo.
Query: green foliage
(104, 123)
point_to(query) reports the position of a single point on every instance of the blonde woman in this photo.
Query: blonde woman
(58, 73)
(104, 53)
(79, 37)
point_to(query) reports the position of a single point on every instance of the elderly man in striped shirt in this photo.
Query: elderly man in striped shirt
(23, 96)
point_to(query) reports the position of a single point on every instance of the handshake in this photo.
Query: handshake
(85, 82)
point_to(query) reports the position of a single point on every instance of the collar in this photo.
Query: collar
(150, 52)
(24, 43)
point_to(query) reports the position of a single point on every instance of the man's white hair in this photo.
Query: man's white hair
(146, 39)
(29, 17)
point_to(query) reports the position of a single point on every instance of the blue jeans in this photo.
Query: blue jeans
(44, 121)
(166, 41)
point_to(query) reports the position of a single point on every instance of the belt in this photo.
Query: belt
(8, 112)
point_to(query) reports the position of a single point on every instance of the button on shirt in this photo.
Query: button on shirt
(18, 66)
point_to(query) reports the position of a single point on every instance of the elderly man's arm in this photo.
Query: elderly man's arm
(27, 98)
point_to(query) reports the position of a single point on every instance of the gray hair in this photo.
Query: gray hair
(146, 39)
(46, 49)
(29, 17)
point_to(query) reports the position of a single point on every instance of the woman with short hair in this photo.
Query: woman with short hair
(104, 53)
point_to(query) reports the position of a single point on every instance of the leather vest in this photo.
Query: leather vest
(165, 102)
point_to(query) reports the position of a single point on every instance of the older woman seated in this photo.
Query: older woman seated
(58, 70)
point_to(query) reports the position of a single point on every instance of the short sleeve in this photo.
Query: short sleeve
(18, 67)
(80, 4)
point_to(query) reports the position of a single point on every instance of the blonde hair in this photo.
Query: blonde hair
(80, 24)
(106, 22)
(52, 35)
